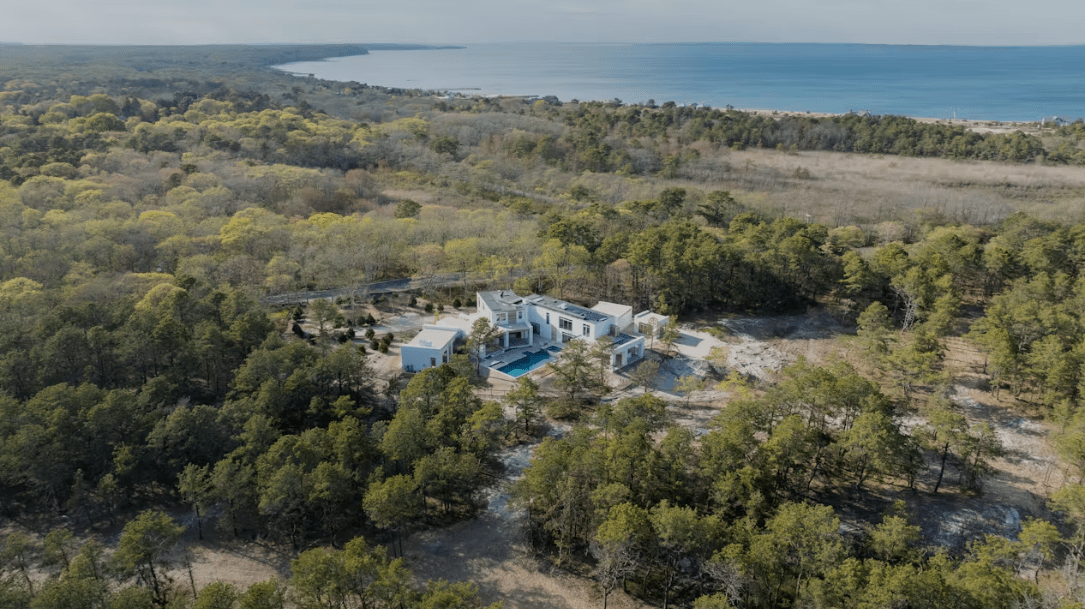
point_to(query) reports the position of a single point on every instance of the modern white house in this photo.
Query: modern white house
(430, 348)
(534, 327)
(537, 320)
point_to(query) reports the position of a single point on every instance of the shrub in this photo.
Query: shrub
(370, 333)
(375, 345)
(564, 410)
(407, 208)
(457, 303)
(429, 307)
(383, 347)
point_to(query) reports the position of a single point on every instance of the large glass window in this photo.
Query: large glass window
(565, 324)
(587, 330)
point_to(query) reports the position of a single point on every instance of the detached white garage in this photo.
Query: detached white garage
(651, 324)
(431, 348)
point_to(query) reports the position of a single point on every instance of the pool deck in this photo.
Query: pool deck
(495, 361)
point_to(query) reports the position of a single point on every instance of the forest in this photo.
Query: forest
(152, 198)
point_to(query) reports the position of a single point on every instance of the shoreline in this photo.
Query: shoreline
(980, 125)
(977, 125)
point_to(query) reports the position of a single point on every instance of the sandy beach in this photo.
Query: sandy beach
(979, 126)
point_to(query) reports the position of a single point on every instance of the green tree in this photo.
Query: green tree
(980, 445)
(407, 208)
(894, 539)
(874, 330)
(525, 401)
(482, 333)
(17, 553)
(575, 370)
(873, 446)
(58, 548)
(144, 546)
(645, 375)
(945, 432)
(669, 335)
(194, 484)
(323, 314)
(217, 595)
(619, 542)
(270, 594)
(680, 532)
(688, 384)
(391, 503)
(445, 144)
(718, 209)
(800, 542)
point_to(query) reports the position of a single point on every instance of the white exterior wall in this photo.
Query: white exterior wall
(415, 356)
(552, 330)
(483, 310)
(511, 317)
(629, 352)
(654, 320)
(537, 315)
(621, 314)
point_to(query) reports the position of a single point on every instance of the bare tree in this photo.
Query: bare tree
(615, 561)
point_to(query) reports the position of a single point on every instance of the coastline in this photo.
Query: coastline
(554, 70)
(977, 125)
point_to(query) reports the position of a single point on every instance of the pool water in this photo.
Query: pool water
(530, 361)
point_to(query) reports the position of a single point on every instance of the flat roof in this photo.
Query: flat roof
(434, 338)
(652, 318)
(613, 309)
(500, 300)
(565, 308)
(457, 322)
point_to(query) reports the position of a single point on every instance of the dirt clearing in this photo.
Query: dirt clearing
(491, 551)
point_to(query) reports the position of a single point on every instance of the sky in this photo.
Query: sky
(960, 22)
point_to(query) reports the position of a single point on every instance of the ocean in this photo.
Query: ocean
(978, 83)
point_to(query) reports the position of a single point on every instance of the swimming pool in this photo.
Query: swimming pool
(530, 361)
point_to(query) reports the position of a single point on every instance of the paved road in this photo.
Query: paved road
(391, 285)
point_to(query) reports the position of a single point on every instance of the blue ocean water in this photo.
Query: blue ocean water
(982, 83)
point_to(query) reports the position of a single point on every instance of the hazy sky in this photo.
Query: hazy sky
(986, 22)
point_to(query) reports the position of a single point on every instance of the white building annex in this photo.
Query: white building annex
(430, 348)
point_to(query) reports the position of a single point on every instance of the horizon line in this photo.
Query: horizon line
(437, 45)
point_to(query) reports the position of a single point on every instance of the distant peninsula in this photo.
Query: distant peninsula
(208, 59)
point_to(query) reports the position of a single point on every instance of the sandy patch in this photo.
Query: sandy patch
(491, 551)
(418, 196)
